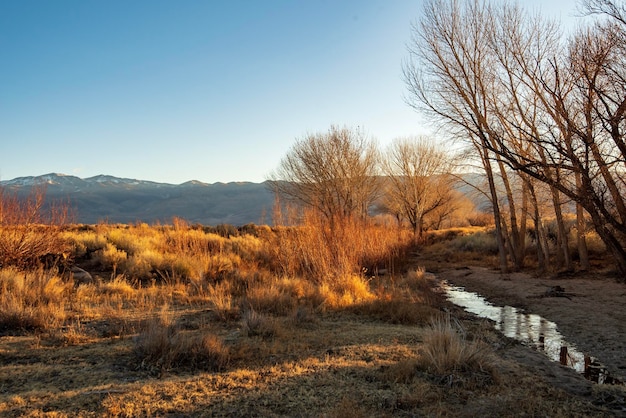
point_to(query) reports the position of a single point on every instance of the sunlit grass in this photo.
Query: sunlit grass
(32, 300)
(180, 320)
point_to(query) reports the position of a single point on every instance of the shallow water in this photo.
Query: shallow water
(530, 329)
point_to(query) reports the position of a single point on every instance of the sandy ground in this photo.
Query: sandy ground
(593, 317)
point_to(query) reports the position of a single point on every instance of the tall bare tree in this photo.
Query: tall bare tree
(334, 173)
(559, 119)
(450, 75)
(520, 42)
(420, 184)
(578, 148)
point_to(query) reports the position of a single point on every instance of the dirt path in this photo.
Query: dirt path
(593, 318)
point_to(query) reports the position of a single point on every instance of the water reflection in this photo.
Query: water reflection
(530, 329)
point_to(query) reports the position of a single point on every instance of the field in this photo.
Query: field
(192, 321)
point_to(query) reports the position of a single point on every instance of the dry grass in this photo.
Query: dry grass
(256, 324)
(221, 301)
(483, 242)
(446, 351)
(120, 287)
(231, 331)
(343, 366)
(274, 297)
(32, 300)
(162, 345)
(322, 253)
(30, 234)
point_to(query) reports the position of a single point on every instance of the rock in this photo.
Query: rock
(80, 276)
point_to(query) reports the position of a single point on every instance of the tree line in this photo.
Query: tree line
(539, 110)
(342, 175)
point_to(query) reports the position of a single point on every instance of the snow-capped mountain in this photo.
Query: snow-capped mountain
(122, 200)
(64, 180)
(47, 179)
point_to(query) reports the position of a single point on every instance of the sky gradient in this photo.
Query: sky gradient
(172, 91)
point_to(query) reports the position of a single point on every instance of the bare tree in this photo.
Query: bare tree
(334, 173)
(496, 75)
(609, 8)
(332, 177)
(557, 118)
(420, 184)
(520, 43)
(450, 75)
(578, 145)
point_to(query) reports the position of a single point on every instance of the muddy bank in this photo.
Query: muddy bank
(592, 315)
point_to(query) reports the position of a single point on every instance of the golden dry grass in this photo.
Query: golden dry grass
(447, 353)
(324, 369)
(191, 323)
(31, 300)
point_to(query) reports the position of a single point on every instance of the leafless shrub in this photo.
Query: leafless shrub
(28, 231)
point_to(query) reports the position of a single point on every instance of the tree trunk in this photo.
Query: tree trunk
(542, 254)
(564, 259)
(581, 229)
(523, 221)
(515, 242)
(581, 241)
(504, 268)
(609, 239)
(615, 247)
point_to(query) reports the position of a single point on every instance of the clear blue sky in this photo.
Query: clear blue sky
(172, 91)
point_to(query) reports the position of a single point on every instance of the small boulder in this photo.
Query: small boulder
(80, 276)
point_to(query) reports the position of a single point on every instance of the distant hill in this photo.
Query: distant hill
(121, 200)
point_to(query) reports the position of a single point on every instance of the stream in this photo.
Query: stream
(531, 330)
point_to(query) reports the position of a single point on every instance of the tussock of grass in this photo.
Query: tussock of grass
(346, 291)
(119, 286)
(128, 243)
(16, 316)
(403, 371)
(303, 316)
(257, 324)
(273, 298)
(221, 301)
(164, 346)
(448, 354)
(110, 257)
(417, 280)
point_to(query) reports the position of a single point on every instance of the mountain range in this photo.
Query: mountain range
(121, 200)
(112, 199)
